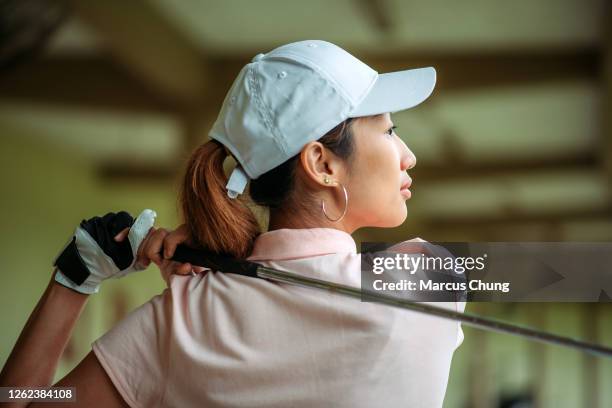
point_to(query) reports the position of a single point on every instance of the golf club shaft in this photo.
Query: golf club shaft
(227, 264)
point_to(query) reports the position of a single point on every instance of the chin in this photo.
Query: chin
(395, 219)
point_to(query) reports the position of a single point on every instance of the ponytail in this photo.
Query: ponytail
(215, 222)
(223, 225)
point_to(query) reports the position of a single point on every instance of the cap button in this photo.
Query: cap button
(257, 57)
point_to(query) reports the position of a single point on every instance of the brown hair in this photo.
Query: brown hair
(228, 226)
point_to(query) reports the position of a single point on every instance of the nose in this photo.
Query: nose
(408, 159)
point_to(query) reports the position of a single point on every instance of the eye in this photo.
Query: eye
(391, 130)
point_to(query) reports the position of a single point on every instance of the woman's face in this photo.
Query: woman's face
(377, 180)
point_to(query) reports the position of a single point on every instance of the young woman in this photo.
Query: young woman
(310, 126)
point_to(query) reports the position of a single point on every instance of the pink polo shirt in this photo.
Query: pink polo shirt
(228, 340)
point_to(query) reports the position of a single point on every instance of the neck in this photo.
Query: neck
(282, 218)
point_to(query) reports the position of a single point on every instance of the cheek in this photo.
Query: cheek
(384, 166)
(377, 173)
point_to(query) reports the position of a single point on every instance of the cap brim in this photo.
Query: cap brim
(397, 91)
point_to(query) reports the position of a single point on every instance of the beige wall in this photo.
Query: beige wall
(46, 193)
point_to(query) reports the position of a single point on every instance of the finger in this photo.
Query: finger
(154, 246)
(141, 227)
(183, 269)
(118, 221)
(138, 233)
(169, 266)
(140, 256)
(142, 246)
(174, 238)
(164, 274)
(165, 269)
(146, 250)
(121, 235)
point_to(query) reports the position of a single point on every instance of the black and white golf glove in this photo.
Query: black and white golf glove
(92, 255)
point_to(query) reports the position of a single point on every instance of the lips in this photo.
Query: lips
(404, 188)
(406, 184)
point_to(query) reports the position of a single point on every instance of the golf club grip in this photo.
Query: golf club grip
(214, 261)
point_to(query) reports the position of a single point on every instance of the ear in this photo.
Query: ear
(317, 162)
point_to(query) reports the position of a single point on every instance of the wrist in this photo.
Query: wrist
(86, 288)
(58, 290)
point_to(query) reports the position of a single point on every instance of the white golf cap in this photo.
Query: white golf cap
(298, 92)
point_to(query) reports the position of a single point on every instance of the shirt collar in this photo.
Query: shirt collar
(291, 243)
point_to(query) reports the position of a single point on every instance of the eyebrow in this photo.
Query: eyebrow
(381, 117)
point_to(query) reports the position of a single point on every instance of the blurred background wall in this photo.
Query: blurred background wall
(102, 101)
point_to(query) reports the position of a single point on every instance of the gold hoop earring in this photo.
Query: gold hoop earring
(327, 181)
